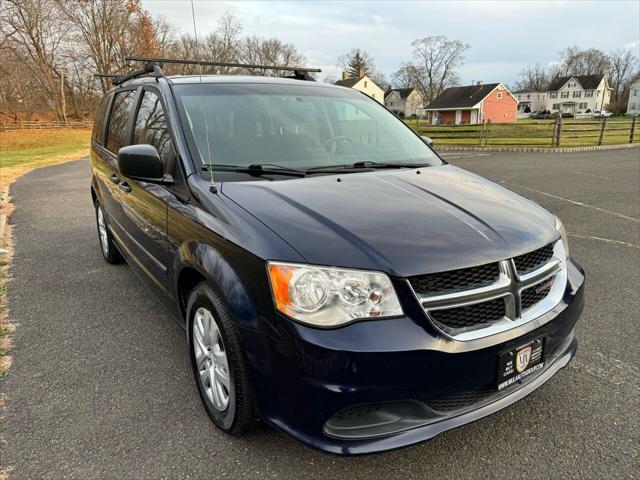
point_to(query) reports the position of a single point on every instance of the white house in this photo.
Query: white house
(633, 106)
(362, 83)
(530, 101)
(578, 94)
(406, 101)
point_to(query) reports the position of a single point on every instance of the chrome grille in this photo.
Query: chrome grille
(481, 302)
(533, 260)
(462, 279)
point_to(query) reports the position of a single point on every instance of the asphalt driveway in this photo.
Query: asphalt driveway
(100, 385)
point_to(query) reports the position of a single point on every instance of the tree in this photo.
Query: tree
(356, 59)
(436, 62)
(534, 77)
(269, 51)
(37, 32)
(578, 61)
(622, 65)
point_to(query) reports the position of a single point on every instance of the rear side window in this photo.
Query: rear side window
(151, 128)
(116, 137)
(98, 124)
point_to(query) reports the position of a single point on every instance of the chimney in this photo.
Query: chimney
(361, 72)
(345, 75)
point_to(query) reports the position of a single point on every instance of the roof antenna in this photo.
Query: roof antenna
(212, 186)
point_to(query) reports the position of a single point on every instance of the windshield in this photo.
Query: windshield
(294, 127)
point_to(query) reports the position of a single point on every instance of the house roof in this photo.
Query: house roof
(403, 92)
(349, 82)
(588, 82)
(460, 97)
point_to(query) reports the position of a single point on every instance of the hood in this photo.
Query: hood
(398, 221)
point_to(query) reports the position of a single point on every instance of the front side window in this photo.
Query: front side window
(151, 128)
(117, 135)
(98, 124)
(297, 127)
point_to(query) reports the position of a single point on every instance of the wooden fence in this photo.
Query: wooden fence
(30, 125)
(530, 133)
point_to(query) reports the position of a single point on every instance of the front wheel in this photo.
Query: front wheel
(218, 363)
(108, 248)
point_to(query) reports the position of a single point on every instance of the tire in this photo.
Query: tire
(230, 405)
(107, 246)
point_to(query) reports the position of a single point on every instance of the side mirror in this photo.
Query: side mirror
(428, 141)
(142, 162)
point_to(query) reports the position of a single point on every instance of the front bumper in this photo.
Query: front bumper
(304, 376)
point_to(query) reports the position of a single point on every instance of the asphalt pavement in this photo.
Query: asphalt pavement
(101, 387)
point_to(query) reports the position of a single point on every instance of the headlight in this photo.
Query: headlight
(563, 236)
(327, 296)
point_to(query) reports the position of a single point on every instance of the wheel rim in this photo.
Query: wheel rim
(102, 230)
(211, 359)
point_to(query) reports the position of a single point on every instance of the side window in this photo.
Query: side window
(98, 124)
(151, 128)
(116, 137)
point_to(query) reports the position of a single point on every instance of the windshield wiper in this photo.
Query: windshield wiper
(370, 164)
(360, 165)
(256, 169)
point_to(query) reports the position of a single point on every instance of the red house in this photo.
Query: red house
(491, 102)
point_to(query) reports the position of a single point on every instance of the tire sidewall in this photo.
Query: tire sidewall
(204, 296)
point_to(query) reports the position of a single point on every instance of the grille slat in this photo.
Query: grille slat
(533, 260)
(533, 295)
(453, 320)
(456, 280)
(457, 401)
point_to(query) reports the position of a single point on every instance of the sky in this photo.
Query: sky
(504, 36)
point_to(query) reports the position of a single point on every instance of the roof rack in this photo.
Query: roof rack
(301, 73)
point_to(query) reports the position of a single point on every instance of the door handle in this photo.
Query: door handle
(114, 178)
(124, 187)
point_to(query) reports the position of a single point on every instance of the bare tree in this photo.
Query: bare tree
(269, 51)
(534, 77)
(38, 33)
(578, 61)
(437, 60)
(622, 64)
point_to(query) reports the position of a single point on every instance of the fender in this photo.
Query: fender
(223, 276)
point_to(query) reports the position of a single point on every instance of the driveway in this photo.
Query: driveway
(101, 387)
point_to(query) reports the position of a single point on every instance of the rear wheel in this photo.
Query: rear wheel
(108, 248)
(218, 363)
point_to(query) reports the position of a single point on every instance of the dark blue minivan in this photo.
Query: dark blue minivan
(335, 277)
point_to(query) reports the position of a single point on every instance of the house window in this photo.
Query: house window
(553, 95)
(633, 106)
(365, 84)
(577, 94)
(588, 93)
(582, 105)
(555, 106)
(528, 97)
(564, 94)
(634, 92)
(499, 95)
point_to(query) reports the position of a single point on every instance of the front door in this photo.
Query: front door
(474, 117)
(458, 117)
(144, 205)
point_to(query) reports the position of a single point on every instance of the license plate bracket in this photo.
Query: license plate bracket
(518, 363)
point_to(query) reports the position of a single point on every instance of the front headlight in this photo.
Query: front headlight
(563, 236)
(328, 296)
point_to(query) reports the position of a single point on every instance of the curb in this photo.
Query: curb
(445, 148)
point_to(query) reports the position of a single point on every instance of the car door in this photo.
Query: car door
(106, 142)
(144, 204)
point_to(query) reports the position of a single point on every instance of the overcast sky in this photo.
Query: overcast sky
(504, 36)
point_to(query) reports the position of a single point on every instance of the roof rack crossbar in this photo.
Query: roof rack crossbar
(221, 64)
(148, 68)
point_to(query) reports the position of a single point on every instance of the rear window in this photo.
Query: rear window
(98, 124)
(117, 136)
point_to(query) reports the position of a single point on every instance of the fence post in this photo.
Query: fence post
(481, 134)
(557, 131)
(604, 125)
(633, 129)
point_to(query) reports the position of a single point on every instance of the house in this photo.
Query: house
(633, 106)
(578, 94)
(530, 101)
(491, 102)
(362, 83)
(407, 102)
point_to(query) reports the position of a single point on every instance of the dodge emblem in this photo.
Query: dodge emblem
(522, 359)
